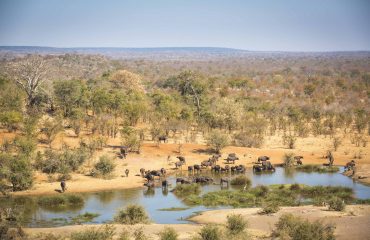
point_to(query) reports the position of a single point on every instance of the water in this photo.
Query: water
(107, 203)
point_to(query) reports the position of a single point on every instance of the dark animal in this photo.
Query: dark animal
(224, 180)
(182, 159)
(178, 164)
(231, 158)
(216, 169)
(197, 168)
(330, 158)
(206, 164)
(162, 138)
(164, 184)
(149, 177)
(190, 168)
(298, 160)
(155, 173)
(263, 158)
(163, 172)
(149, 184)
(203, 179)
(63, 185)
(350, 165)
(142, 172)
(127, 172)
(123, 152)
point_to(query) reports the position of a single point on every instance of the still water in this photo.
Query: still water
(107, 203)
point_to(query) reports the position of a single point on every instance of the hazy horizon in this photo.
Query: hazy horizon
(271, 26)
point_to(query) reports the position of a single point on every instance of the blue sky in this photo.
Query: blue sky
(265, 25)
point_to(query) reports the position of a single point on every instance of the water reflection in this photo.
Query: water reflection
(107, 203)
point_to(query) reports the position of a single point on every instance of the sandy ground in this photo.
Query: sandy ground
(154, 157)
(351, 224)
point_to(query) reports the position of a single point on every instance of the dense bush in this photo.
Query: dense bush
(236, 224)
(288, 159)
(61, 200)
(168, 233)
(105, 232)
(336, 204)
(295, 228)
(186, 189)
(104, 167)
(241, 180)
(210, 232)
(269, 208)
(317, 168)
(132, 214)
(16, 170)
(217, 140)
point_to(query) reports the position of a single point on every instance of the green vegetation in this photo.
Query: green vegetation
(236, 224)
(168, 233)
(104, 167)
(132, 214)
(60, 201)
(269, 208)
(182, 190)
(174, 209)
(336, 204)
(217, 140)
(241, 180)
(272, 196)
(210, 232)
(105, 232)
(288, 159)
(295, 228)
(84, 218)
(317, 168)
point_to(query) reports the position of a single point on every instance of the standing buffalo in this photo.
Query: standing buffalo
(162, 138)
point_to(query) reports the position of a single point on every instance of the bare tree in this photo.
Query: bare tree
(29, 74)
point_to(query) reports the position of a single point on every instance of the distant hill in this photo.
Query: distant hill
(165, 53)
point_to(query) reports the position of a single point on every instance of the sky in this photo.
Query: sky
(256, 25)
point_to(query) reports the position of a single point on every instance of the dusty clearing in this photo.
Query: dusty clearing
(155, 157)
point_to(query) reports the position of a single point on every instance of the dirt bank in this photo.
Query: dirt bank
(155, 157)
(351, 224)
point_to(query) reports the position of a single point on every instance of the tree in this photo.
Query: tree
(11, 120)
(51, 128)
(17, 170)
(217, 140)
(29, 74)
(126, 80)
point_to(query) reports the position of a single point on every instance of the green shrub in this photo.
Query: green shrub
(105, 232)
(295, 228)
(317, 168)
(104, 167)
(210, 232)
(217, 140)
(61, 200)
(336, 204)
(294, 187)
(168, 233)
(124, 235)
(288, 159)
(139, 234)
(86, 217)
(186, 189)
(269, 208)
(132, 214)
(236, 224)
(241, 180)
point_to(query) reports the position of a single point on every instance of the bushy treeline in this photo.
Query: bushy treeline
(235, 108)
